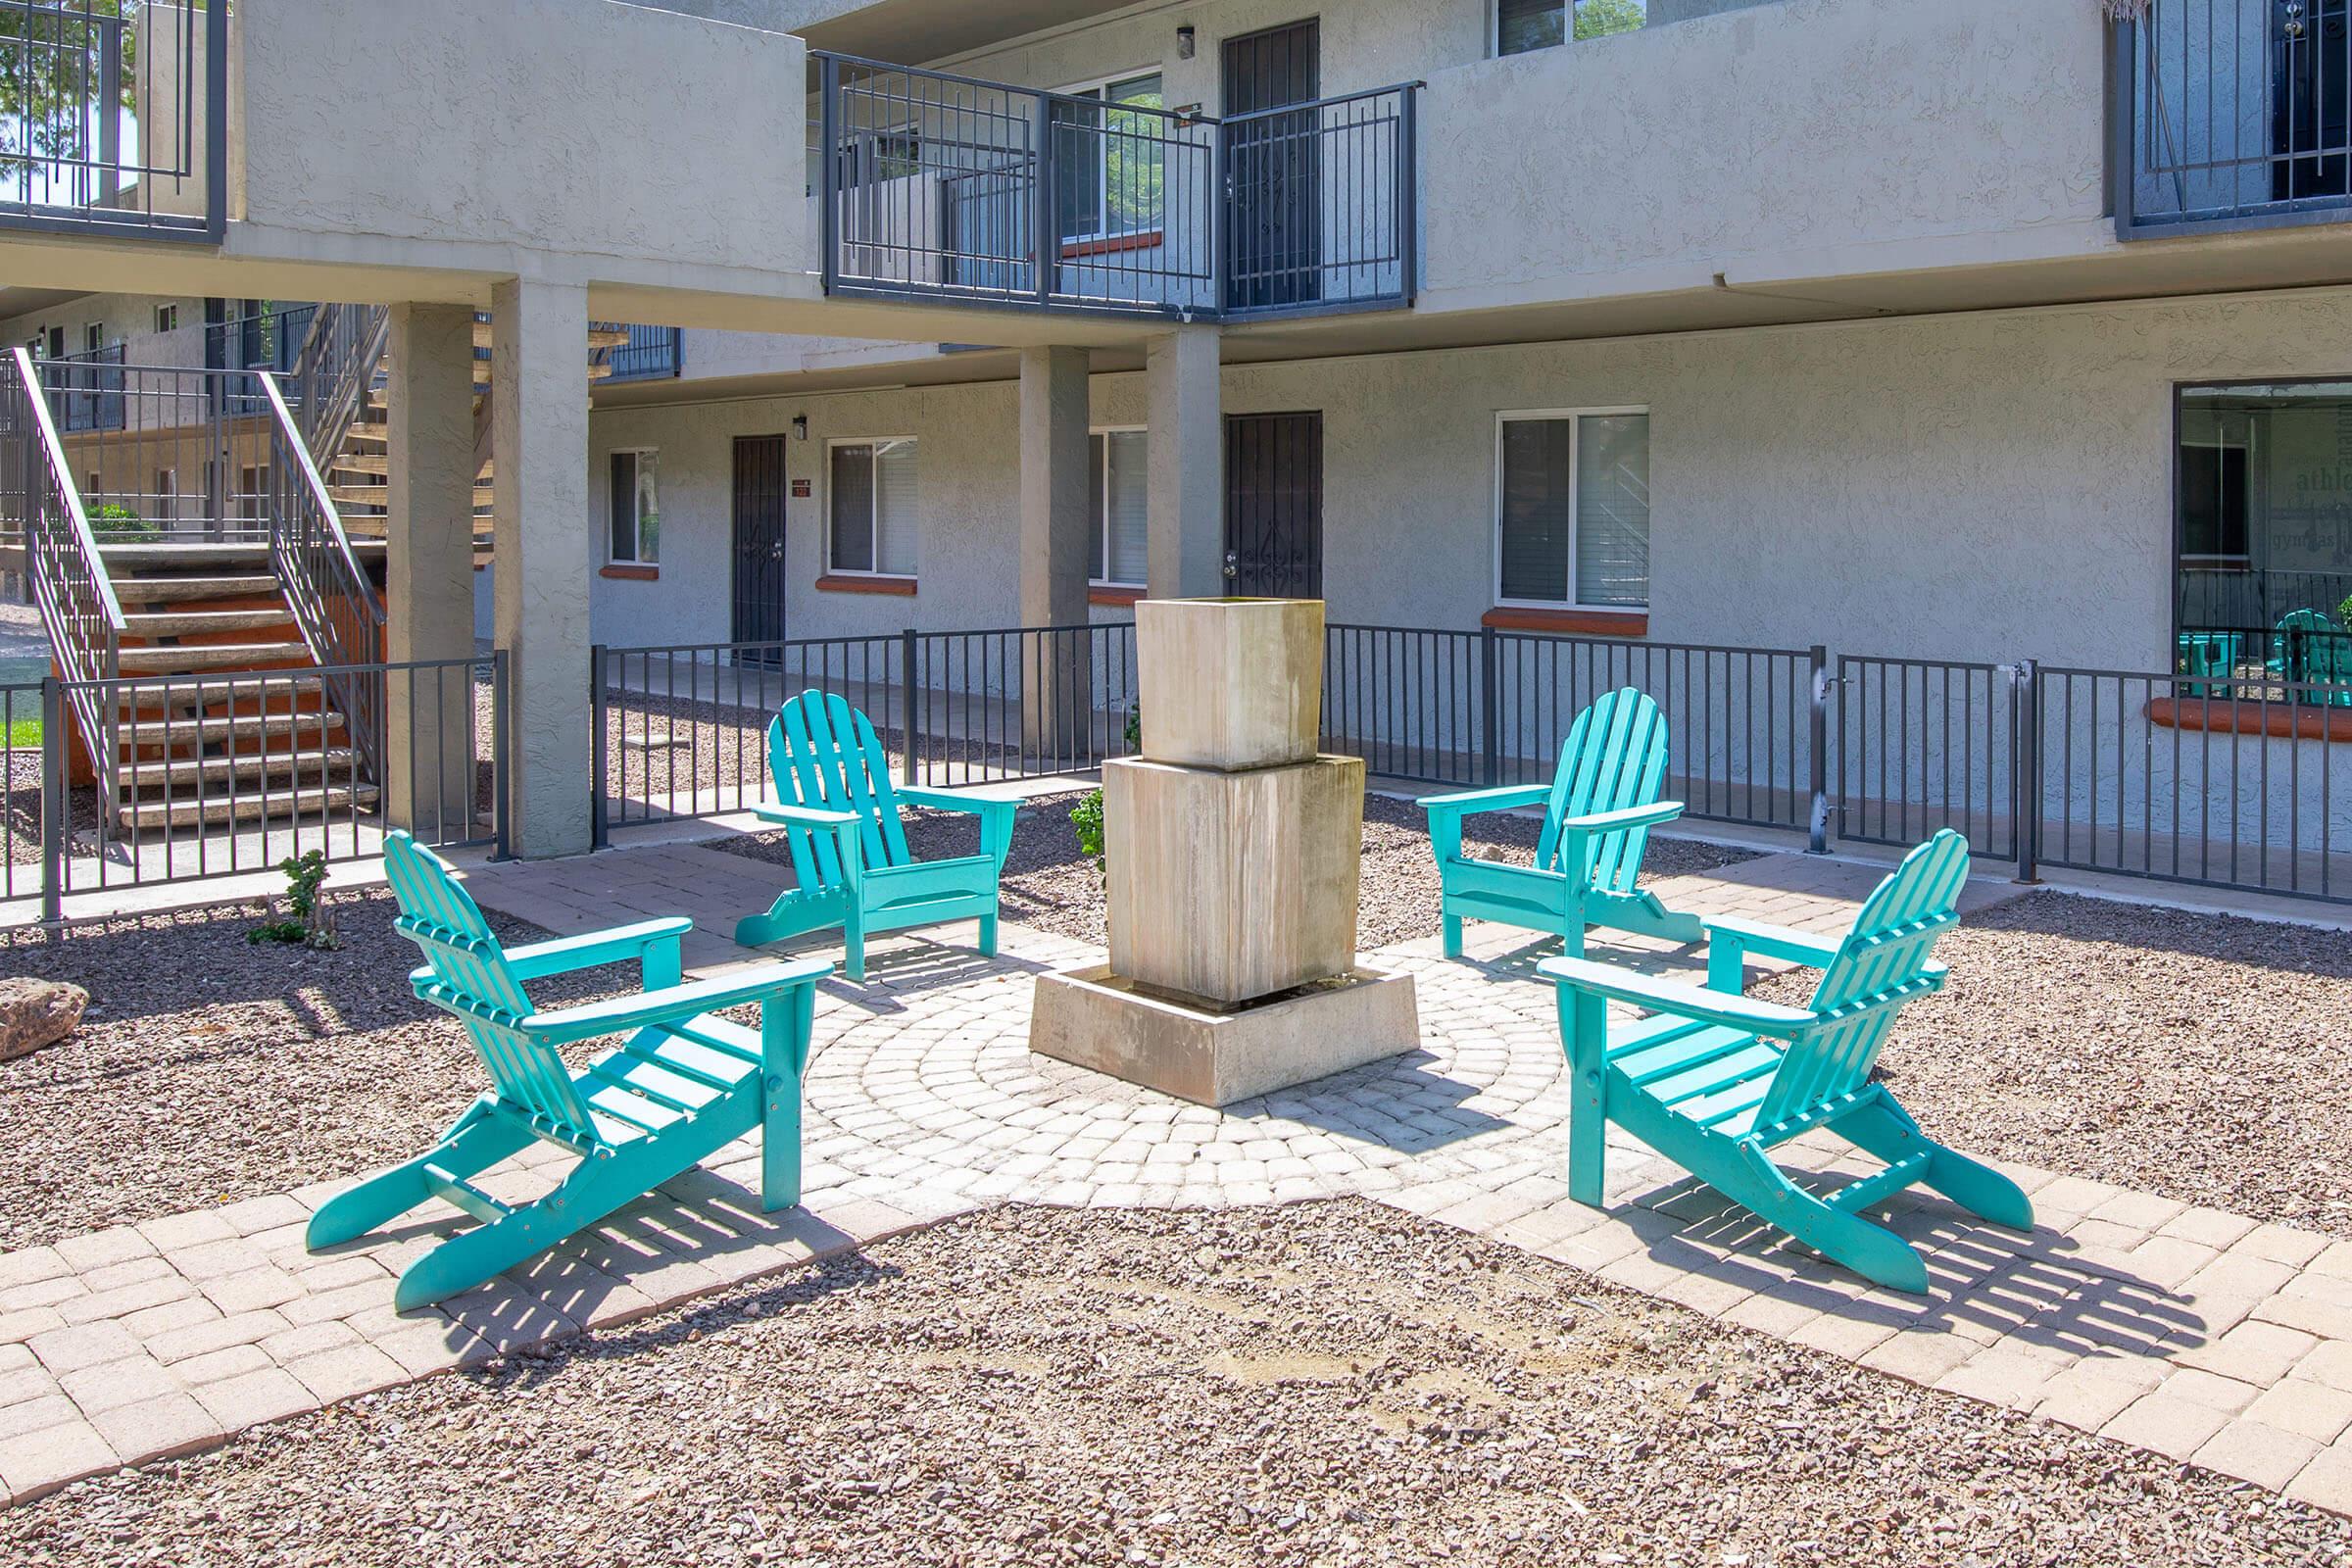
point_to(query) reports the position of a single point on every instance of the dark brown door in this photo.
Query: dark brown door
(1274, 236)
(760, 489)
(1274, 505)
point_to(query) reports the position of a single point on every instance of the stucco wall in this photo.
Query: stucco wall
(582, 127)
(1979, 487)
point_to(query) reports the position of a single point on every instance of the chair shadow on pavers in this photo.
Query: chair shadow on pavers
(898, 972)
(682, 1085)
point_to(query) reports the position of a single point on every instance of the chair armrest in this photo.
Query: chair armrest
(1772, 941)
(803, 815)
(969, 802)
(672, 1003)
(566, 954)
(1672, 996)
(1620, 820)
(1471, 802)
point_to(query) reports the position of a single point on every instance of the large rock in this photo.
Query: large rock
(37, 1012)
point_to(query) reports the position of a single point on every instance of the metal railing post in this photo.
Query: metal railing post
(1409, 194)
(54, 761)
(1490, 707)
(1047, 229)
(907, 720)
(216, 122)
(828, 152)
(499, 785)
(599, 836)
(2025, 754)
(1817, 659)
(108, 112)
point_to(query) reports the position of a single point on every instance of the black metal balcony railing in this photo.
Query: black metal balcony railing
(937, 186)
(2232, 114)
(652, 352)
(119, 121)
(86, 390)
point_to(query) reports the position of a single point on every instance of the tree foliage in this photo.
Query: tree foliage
(52, 61)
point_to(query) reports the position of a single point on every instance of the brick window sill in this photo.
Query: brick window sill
(2230, 716)
(631, 572)
(1584, 622)
(901, 587)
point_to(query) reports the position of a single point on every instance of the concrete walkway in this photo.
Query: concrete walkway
(2196, 1333)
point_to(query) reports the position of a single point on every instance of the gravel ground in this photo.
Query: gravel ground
(1049, 885)
(1332, 1383)
(209, 1069)
(2195, 1055)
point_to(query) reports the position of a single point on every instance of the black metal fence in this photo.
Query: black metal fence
(2230, 113)
(119, 120)
(652, 352)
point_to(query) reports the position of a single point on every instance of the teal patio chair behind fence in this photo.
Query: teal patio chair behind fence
(682, 1084)
(1715, 1080)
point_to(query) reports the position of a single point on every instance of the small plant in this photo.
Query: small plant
(311, 925)
(120, 523)
(2343, 611)
(1087, 817)
(1135, 727)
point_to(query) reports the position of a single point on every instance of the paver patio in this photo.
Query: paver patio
(2192, 1332)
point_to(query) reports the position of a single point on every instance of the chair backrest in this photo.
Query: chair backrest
(466, 958)
(1614, 758)
(823, 753)
(2313, 649)
(1888, 954)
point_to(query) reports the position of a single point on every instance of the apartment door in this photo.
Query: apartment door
(760, 491)
(2310, 68)
(1274, 505)
(1274, 226)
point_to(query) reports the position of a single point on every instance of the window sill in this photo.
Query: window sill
(1109, 245)
(2230, 717)
(1115, 597)
(1589, 622)
(631, 572)
(843, 583)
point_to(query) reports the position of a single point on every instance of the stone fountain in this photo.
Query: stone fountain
(1233, 852)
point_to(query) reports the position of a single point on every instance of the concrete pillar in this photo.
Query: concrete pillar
(428, 732)
(1186, 520)
(539, 449)
(1056, 527)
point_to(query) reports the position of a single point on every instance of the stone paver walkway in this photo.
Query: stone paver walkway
(2189, 1331)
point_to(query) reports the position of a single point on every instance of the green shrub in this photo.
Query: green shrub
(1087, 817)
(2343, 611)
(121, 524)
(311, 926)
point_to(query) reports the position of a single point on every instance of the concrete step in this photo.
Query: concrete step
(379, 463)
(205, 622)
(196, 778)
(309, 729)
(134, 590)
(209, 657)
(599, 337)
(381, 496)
(334, 801)
(191, 558)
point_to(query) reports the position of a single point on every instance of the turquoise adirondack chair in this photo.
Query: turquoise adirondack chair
(1598, 812)
(681, 1086)
(2312, 653)
(849, 864)
(1715, 1079)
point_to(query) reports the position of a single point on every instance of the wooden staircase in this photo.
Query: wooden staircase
(194, 749)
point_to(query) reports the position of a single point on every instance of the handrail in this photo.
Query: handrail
(334, 369)
(77, 516)
(334, 605)
(1398, 87)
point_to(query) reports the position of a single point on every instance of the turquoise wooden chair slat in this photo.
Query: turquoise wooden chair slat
(1599, 809)
(681, 1083)
(1714, 1081)
(851, 866)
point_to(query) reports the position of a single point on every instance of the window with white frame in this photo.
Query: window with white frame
(167, 318)
(871, 501)
(93, 337)
(1572, 508)
(1121, 477)
(1524, 25)
(636, 508)
(1110, 154)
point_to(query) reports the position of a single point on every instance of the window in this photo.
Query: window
(1524, 25)
(93, 337)
(2262, 506)
(1121, 474)
(1572, 508)
(167, 318)
(1111, 158)
(872, 496)
(635, 500)
(56, 343)
(879, 155)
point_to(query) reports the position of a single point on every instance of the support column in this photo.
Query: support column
(428, 732)
(1057, 523)
(539, 485)
(1186, 517)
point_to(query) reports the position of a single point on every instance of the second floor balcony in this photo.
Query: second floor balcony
(937, 186)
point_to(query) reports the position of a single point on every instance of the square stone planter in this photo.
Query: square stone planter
(1230, 683)
(1226, 886)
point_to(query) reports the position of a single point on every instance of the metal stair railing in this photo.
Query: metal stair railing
(334, 605)
(67, 575)
(340, 356)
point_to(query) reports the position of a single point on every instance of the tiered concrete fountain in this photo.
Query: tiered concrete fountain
(1233, 852)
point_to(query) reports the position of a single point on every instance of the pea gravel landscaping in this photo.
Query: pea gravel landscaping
(1328, 1383)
